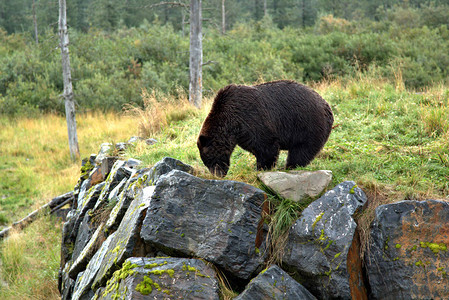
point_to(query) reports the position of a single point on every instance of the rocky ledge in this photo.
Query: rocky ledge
(162, 233)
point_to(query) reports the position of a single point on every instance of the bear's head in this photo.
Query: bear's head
(215, 154)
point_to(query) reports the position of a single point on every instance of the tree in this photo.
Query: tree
(223, 17)
(35, 23)
(196, 54)
(67, 78)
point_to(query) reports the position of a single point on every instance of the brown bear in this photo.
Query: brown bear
(264, 119)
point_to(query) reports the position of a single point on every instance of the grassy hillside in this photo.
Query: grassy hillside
(394, 143)
(390, 140)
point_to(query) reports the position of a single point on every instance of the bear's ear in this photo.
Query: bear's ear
(204, 141)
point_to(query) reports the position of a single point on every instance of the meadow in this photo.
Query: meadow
(393, 142)
(35, 166)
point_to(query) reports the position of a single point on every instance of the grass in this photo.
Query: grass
(384, 139)
(35, 166)
(392, 142)
(30, 262)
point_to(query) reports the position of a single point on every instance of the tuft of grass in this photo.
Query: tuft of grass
(159, 112)
(286, 212)
(3, 219)
(434, 111)
(13, 261)
(435, 120)
(226, 292)
(377, 195)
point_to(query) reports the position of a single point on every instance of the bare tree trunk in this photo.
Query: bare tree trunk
(67, 78)
(223, 17)
(303, 8)
(35, 23)
(265, 8)
(183, 15)
(196, 53)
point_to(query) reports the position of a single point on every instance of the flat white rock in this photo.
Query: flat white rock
(297, 185)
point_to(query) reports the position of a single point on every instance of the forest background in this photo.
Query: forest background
(136, 44)
(382, 65)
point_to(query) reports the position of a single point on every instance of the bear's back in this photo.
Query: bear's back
(299, 112)
(289, 95)
(291, 111)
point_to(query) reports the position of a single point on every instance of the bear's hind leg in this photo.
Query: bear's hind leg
(299, 157)
(267, 158)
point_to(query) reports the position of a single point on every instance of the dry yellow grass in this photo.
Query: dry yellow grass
(159, 111)
(39, 147)
(36, 155)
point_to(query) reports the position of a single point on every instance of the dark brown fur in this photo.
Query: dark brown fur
(264, 119)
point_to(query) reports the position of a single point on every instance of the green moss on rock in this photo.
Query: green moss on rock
(436, 248)
(320, 216)
(352, 191)
(113, 284)
(146, 286)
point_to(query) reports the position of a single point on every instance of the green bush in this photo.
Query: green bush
(110, 69)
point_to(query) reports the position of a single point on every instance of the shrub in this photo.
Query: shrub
(110, 69)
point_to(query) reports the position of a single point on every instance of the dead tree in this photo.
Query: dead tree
(67, 78)
(196, 47)
(35, 22)
(196, 54)
(223, 17)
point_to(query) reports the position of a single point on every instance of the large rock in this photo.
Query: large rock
(118, 172)
(134, 139)
(65, 283)
(129, 191)
(319, 244)
(274, 283)
(81, 260)
(166, 165)
(408, 255)
(126, 241)
(74, 219)
(83, 286)
(123, 243)
(162, 278)
(106, 150)
(89, 198)
(297, 185)
(85, 232)
(211, 219)
(86, 202)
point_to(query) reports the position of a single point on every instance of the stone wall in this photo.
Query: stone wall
(162, 233)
